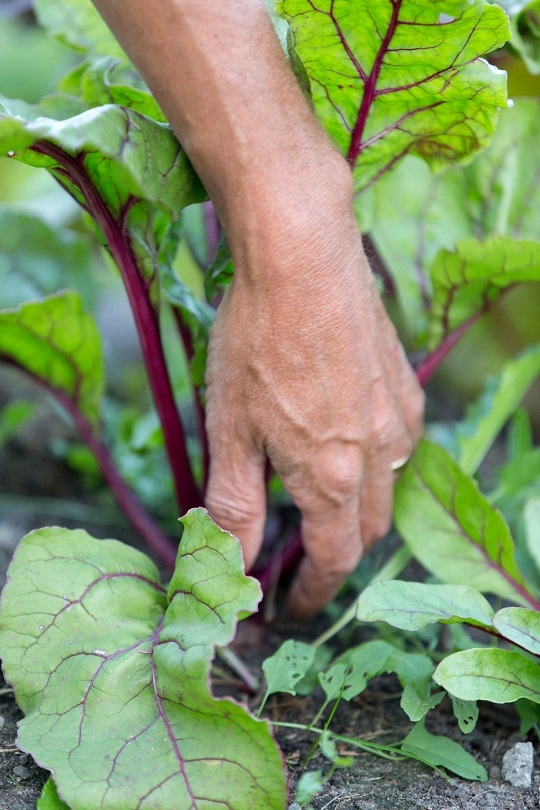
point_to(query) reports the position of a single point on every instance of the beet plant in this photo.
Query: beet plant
(110, 666)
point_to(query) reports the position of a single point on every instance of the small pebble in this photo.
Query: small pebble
(21, 772)
(23, 759)
(517, 765)
(2, 722)
(294, 806)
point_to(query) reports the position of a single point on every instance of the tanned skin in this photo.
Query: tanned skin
(304, 366)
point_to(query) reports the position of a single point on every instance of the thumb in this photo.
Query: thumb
(236, 496)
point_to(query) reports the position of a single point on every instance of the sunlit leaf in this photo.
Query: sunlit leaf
(59, 345)
(452, 529)
(77, 23)
(500, 676)
(394, 78)
(111, 671)
(467, 280)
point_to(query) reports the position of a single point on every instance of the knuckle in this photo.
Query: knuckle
(387, 431)
(340, 472)
(227, 509)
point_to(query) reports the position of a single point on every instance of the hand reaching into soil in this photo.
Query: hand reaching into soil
(304, 367)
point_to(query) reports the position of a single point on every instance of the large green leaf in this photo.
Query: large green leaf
(452, 529)
(418, 213)
(467, 280)
(391, 78)
(500, 676)
(77, 23)
(487, 416)
(413, 605)
(59, 345)
(111, 671)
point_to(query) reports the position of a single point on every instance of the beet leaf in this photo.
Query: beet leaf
(111, 670)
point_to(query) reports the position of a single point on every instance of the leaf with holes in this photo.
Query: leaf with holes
(58, 344)
(452, 529)
(500, 676)
(111, 670)
(466, 713)
(467, 280)
(401, 76)
(287, 667)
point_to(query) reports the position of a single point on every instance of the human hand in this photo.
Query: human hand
(306, 369)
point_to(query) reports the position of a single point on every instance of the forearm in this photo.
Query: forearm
(219, 73)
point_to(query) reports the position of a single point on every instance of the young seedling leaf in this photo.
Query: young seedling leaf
(49, 799)
(310, 681)
(500, 676)
(413, 605)
(111, 671)
(361, 664)
(78, 24)
(521, 626)
(309, 785)
(466, 713)
(329, 750)
(529, 714)
(59, 345)
(452, 529)
(467, 280)
(287, 667)
(414, 671)
(487, 416)
(396, 78)
(441, 751)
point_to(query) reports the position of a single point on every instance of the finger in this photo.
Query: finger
(377, 494)
(333, 549)
(412, 399)
(236, 496)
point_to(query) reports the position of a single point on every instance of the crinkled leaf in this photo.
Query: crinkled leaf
(500, 676)
(220, 272)
(49, 799)
(443, 751)
(413, 605)
(452, 529)
(467, 280)
(532, 527)
(466, 712)
(287, 666)
(59, 345)
(110, 81)
(418, 213)
(36, 259)
(329, 750)
(488, 415)
(391, 78)
(78, 24)
(521, 626)
(112, 672)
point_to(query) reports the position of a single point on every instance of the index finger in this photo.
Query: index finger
(333, 549)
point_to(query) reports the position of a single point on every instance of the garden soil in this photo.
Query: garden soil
(27, 466)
